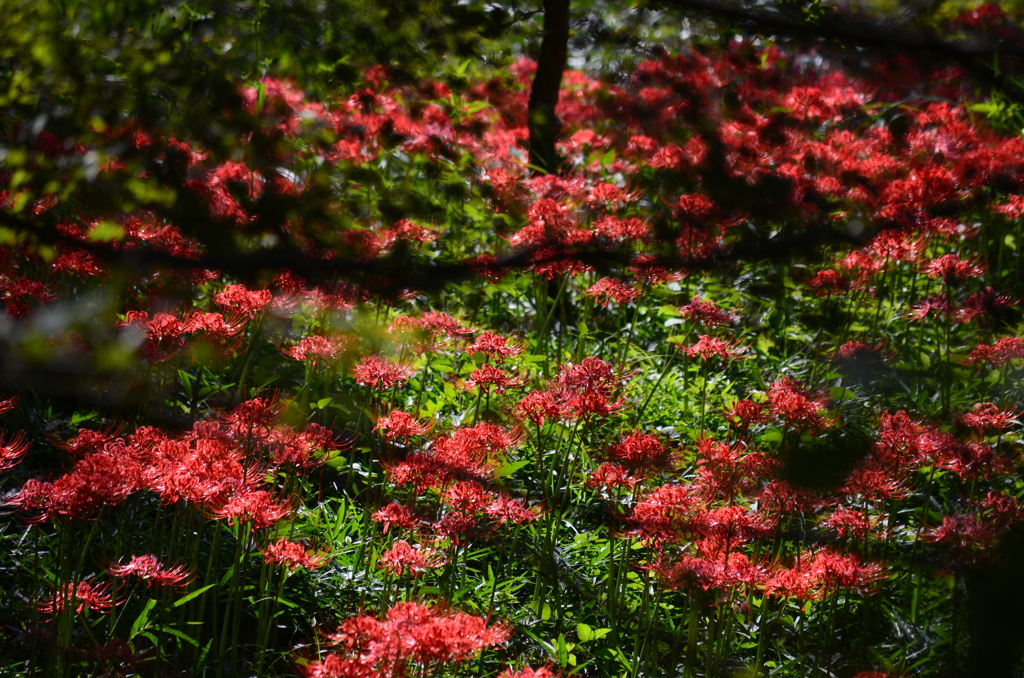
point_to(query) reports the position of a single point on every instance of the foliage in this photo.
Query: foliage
(313, 375)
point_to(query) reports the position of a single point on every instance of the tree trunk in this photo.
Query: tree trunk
(544, 124)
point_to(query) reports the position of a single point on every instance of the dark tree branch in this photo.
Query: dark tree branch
(544, 124)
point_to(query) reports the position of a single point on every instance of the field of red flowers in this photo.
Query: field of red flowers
(734, 394)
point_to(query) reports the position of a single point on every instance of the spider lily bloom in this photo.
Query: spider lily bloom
(255, 506)
(538, 406)
(489, 378)
(666, 515)
(745, 413)
(988, 417)
(706, 313)
(507, 510)
(612, 476)
(709, 347)
(607, 290)
(494, 345)
(11, 451)
(402, 558)
(7, 404)
(240, 299)
(401, 424)
(952, 269)
(828, 282)
(150, 570)
(291, 554)
(317, 349)
(586, 389)
(1005, 350)
(789, 401)
(527, 672)
(410, 635)
(378, 372)
(78, 597)
(395, 515)
(642, 454)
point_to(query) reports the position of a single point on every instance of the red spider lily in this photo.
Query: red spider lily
(745, 413)
(820, 574)
(203, 471)
(857, 352)
(612, 476)
(848, 523)
(963, 533)
(103, 478)
(302, 451)
(401, 424)
(466, 497)
(719, 470)
(395, 515)
(254, 414)
(923, 309)
(667, 514)
(150, 570)
(257, 507)
(489, 378)
(731, 525)
(789, 401)
(410, 634)
(402, 558)
(707, 313)
(445, 324)
(617, 230)
(972, 460)
(528, 672)
(952, 269)
(86, 442)
(872, 480)
(1004, 350)
(78, 597)
(317, 349)
(378, 372)
(508, 510)
(241, 300)
(646, 269)
(7, 404)
(988, 417)
(983, 304)
(707, 348)
(11, 451)
(457, 528)
(642, 453)
(291, 554)
(162, 333)
(896, 245)
(587, 388)
(609, 194)
(717, 569)
(607, 290)
(829, 282)
(494, 345)
(898, 440)
(538, 406)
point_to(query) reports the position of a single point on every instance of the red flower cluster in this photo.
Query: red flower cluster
(411, 635)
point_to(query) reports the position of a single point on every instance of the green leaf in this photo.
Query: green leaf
(587, 633)
(608, 158)
(510, 468)
(197, 592)
(140, 622)
(178, 634)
